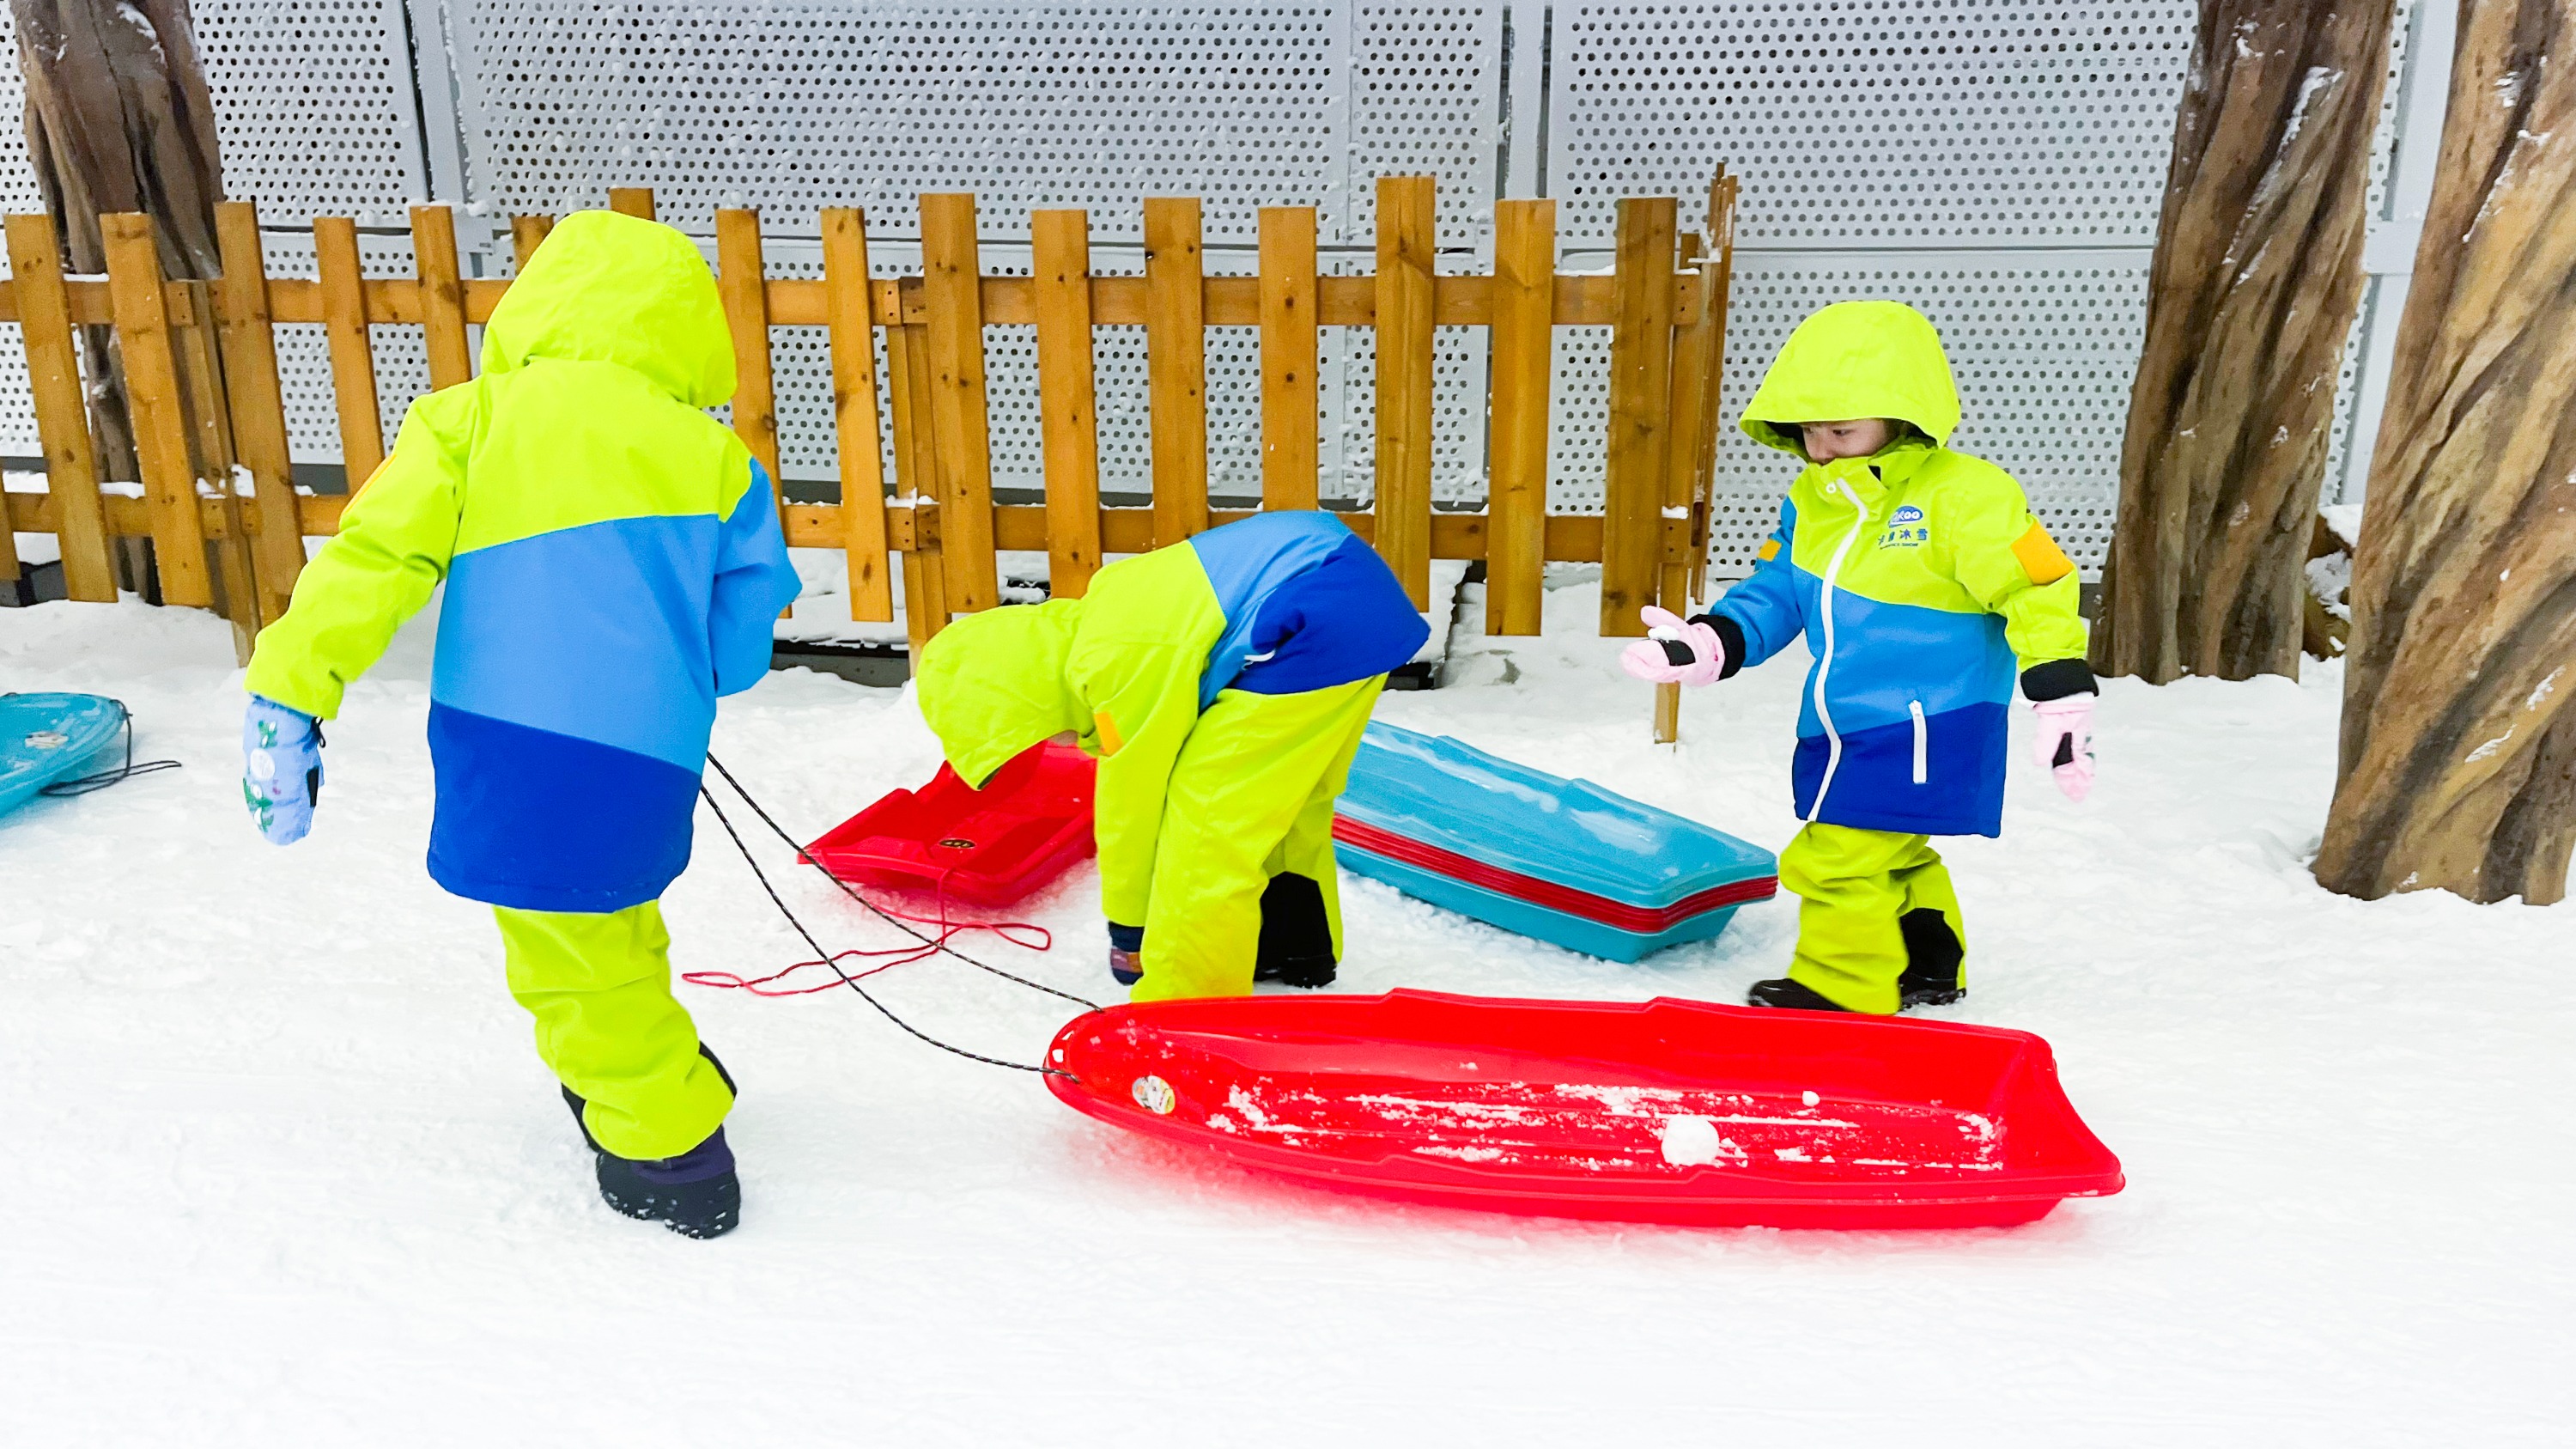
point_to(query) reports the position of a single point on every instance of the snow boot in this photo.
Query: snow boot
(695, 1194)
(1933, 956)
(1296, 946)
(1788, 995)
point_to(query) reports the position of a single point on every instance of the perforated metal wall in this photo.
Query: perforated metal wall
(314, 106)
(1874, 123)
(1998, 164)
(797, 106)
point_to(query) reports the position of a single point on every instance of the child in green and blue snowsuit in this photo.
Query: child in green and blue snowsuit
(613, 563)
(1924, 587)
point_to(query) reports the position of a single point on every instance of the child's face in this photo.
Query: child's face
(1851, 438)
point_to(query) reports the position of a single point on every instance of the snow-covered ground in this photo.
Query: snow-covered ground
(284, 1170)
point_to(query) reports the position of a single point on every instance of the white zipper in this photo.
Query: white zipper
(1825, 665)
(1922, 743)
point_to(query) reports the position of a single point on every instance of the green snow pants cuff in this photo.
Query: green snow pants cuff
(1854, 888)
(599, 987)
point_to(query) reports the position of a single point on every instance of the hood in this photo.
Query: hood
(992, 684)
(1856, 360)
(610, 288)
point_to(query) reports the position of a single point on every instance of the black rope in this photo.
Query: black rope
(826, 956)
(892, 920)
(118, 775)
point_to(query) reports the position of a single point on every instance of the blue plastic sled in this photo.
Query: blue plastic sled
(1563, 861)
(48, 737)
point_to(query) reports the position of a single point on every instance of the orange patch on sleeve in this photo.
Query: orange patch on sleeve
(1108, 731)
(1770, 550)
(2040, 556)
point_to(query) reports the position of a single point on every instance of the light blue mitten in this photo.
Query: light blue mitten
(281, 769)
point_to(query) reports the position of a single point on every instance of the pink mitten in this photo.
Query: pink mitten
(2064, 743)
(1649, 660)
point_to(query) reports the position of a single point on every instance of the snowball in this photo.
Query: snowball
(1690, 1141)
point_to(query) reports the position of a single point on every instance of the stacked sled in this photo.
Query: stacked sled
(1563, 861)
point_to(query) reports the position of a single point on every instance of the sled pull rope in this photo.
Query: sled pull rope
(847, 979)
(873, 908)
(833, 963)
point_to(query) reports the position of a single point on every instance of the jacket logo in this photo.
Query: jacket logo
(1906, 529)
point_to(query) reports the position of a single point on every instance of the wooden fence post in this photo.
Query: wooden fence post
(1290, 401)
(1684, 409)
(1716, 297)
(195, 345)
(62, 418)
(161, 427)
(1060, 255)
(952, 287)
(442, 295)
(1524, 354)
(353, 360)
(742, 278)
(1406, 238)
(916, 469)
(527, 233)
(258, 404)
(1176, 366)
(1641, 357)
(854, 411)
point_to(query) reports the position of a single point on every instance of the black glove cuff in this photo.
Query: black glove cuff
(1730, 634)
(1126, 938)
(2057, 679)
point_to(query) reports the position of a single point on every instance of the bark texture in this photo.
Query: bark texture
(2256, 278)
(2458, 760)
(119, 119)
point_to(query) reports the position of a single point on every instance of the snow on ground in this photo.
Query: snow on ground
(284, 1169)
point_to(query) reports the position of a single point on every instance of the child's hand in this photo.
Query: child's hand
(2064, 744)
(281, 769)
(1675, 651)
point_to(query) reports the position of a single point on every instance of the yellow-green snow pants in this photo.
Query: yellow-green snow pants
(600, 989)
(1853, 886)
(1250, 797)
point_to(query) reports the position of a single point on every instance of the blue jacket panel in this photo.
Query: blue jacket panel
(1919, 698)
(1307, 606)
(570, 662)
(540, 821)
(1943, 778)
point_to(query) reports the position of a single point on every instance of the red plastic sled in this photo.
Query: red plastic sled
(1662, 1111)
(992, 846)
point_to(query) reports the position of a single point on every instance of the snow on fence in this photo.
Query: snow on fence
(227, 523)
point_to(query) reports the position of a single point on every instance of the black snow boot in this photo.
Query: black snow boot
(1296, 947)
(1933, 956)
(695, 1194)
(1788, 995)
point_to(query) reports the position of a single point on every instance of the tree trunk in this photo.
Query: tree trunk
(2256, 278)
(118, 119)
(2458, 762)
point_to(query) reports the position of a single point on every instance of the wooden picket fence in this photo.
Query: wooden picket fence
(202, 375)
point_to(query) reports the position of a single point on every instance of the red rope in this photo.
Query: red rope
(1026, 935)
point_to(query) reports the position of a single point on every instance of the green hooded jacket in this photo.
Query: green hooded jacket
(613, 563)
(1919, 577)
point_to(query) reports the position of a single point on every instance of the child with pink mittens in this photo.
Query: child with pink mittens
(1925, 588)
